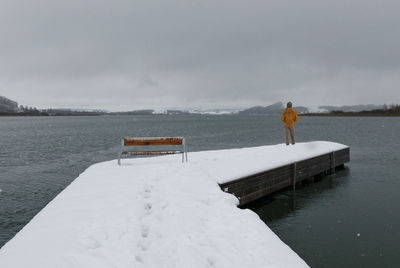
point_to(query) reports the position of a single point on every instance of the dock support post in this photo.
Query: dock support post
(294, 176)
(333, 164)
(184, 153)
(120, 152)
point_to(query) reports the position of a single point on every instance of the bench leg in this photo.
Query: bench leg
(120, 152)
(184, 154)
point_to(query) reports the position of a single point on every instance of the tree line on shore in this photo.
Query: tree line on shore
(387, 109)
(11, 108)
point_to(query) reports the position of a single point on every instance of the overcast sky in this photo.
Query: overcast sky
(125, 55)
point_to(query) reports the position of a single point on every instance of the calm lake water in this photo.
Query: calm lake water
(349, 219)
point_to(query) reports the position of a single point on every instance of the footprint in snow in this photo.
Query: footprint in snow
(142, 246)
(145, 231)
(147, 191)
(138, 258)
(147, 208)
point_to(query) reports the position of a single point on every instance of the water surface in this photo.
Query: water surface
(349, 219)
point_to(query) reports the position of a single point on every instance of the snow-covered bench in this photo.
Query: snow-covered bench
(127, 143)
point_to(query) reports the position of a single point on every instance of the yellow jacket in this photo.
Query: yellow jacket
(289, 116)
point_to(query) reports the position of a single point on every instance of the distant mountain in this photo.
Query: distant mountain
(213, 111)
(276, 108)
(151, 112)
(179, 112)
(7, 105)
(301, 109)
(135, 112)
(10, 107)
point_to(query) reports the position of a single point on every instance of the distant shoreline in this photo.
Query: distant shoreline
(44, 115)
(351, 114)
(12, 114)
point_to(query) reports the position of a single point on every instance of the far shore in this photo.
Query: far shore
(45, 115)
(351, 114)
(345, 114)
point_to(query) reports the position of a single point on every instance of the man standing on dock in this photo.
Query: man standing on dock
(289, 116)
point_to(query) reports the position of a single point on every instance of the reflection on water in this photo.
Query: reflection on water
(288, 201)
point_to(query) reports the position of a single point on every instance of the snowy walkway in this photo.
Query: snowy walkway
(158, 212)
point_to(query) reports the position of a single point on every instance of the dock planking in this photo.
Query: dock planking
(253, 187)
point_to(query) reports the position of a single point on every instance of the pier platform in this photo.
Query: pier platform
(252, 187)
(159, 212)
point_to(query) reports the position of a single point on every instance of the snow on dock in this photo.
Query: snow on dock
(158, 212)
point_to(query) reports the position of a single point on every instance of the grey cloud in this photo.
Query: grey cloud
(199, 53)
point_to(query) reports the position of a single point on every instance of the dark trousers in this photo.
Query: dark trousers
(291, 131)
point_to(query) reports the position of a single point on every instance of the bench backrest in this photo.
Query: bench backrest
(153, 141)
(150, 141)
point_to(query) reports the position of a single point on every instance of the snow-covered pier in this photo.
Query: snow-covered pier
(159, 212)
(300, 165)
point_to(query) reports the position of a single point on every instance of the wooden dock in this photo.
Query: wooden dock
(253, 187)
